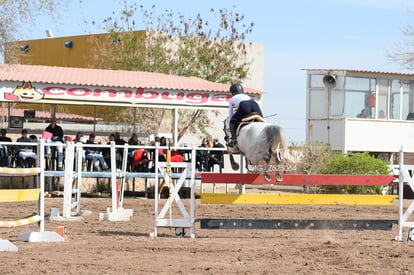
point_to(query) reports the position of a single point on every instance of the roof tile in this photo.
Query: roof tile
(109, 78)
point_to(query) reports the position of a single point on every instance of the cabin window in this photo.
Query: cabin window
(395, 100)
(408, 98)
(359, 95)
(316, 81)
(318, 110)
(319, 98)
(382, 98)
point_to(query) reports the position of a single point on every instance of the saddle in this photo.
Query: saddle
(252, 117)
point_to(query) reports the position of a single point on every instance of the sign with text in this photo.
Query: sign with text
(68, 94)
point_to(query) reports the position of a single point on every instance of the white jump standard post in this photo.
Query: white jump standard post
(68, 190)
(41, 235)
(117, 212)
(69, 177)
(187, 220)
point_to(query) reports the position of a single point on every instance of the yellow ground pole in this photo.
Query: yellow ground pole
(30, 220)
(338, 199)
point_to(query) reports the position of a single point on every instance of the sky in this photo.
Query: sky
(297, 35)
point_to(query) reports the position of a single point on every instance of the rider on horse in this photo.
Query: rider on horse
(240, 106)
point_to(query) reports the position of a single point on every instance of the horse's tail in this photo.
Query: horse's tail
(275, 141)
(277, 144)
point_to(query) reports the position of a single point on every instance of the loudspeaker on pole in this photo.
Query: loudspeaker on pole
(329, 81)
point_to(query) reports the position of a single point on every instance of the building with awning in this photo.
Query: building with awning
(34, 85)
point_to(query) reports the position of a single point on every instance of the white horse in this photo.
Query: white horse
(259, 142)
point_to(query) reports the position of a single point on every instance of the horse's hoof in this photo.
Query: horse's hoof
(267, 177)
(278, 178)
(235, 166)
(250, 167)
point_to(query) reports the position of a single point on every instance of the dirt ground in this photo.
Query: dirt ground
(106, 247)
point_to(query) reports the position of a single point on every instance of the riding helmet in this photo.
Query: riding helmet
(236, 88)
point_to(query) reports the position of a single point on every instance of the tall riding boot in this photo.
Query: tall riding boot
(233, 128)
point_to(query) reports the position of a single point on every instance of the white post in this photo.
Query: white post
(67, 189)
(400, 195)
(42, 185)
(79, 163)
(116, 212)
(113, 176)
(242, 187)
(192, 207)
(124, 168)
(156, 196)
(175, 126)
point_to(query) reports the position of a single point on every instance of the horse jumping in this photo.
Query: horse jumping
(259, 142)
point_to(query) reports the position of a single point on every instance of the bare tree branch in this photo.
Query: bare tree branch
(179, 45)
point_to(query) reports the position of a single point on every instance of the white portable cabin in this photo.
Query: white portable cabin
(335, 97)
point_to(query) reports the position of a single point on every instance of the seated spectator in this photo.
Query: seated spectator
(5, 150)
(79, 138)
(93, 153)
(176, 156)
(56, 133)
(118, 139)
(363, 114)
(107, 151)
(119, 151)
(161, 151)
(141, 160)
(202, 156)
(3, 136)
(33, 139)
(151, 152)
(162, 156)
(133, 141)
(26, 157)
(216, 157)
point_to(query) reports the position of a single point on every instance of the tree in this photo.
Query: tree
(175, 44)
(14, 14)
(403, 53)
(315, 155)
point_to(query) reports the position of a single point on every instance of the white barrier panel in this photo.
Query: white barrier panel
(404, 177)
(161, 218)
